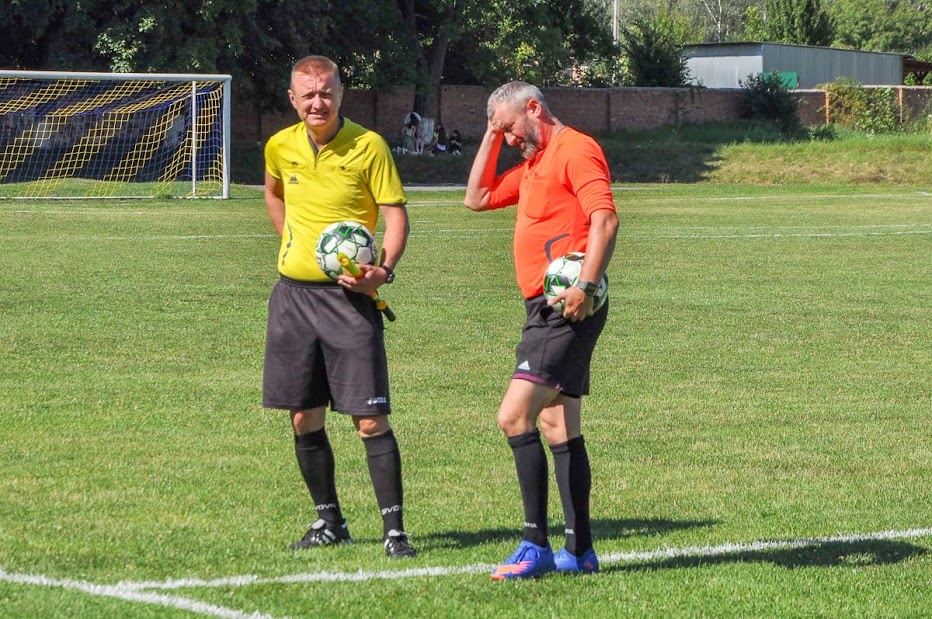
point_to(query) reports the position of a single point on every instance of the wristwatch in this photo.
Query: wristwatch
(590, 288)
(391, 274)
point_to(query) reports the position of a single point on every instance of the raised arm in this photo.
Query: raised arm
(482, 175)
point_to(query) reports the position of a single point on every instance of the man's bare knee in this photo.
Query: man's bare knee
(368, 427)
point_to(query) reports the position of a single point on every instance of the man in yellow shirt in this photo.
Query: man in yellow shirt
(325, 343)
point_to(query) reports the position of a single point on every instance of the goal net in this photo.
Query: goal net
(79, 135)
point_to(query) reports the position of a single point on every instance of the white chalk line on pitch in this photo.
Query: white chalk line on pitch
(131, 595)
(144, 592)
(781, 196)
(467, 233)
(174, 237)
(695, 199)
(153, 213)
(776, 235)
(475, 233)
(457, 203)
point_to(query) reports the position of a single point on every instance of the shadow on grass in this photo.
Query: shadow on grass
(851, 554)
(602, 529)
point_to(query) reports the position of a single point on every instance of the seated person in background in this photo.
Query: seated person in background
(455, 143)
(440, 147)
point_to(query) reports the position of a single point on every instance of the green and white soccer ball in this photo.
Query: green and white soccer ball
(563, 272)
(347, 237)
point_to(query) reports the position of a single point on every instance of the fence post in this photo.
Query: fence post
(900, 99)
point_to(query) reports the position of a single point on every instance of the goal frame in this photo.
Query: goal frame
(226, 80)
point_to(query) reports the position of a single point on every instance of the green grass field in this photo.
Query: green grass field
(759, 424)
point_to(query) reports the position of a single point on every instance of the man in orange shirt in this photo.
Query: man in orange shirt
(564, 199)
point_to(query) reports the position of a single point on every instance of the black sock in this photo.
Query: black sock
(574, 480)
(385, 472)
(531, 463)
(315, 459)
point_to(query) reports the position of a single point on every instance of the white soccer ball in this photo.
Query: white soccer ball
(347, 237)
(563, 272)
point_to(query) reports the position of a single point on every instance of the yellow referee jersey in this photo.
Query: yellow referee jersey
(347, 179)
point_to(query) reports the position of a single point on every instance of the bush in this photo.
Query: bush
(822, 133)
(872, 110)
(921, 122)
(766, 97)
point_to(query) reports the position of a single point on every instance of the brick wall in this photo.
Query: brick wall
(593, 110)
(915, 102)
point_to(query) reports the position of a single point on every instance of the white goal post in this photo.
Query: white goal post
(119, 135)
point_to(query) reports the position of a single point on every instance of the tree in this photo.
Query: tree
(487, 43)
(431, 26)
(497, 41)
(799, 22)
(653, 54)
(883, 25)
(721, 19)
(24, 26)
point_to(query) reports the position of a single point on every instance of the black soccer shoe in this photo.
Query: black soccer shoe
(323, 533)
(397, 546)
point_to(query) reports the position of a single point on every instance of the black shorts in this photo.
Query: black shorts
(556, 352)
(325, 345)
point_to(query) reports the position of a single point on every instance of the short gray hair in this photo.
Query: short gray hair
(516, 94)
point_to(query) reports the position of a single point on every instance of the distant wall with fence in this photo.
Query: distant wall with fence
(593, 110)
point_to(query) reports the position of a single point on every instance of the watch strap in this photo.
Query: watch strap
(390, 272)
(590, 288)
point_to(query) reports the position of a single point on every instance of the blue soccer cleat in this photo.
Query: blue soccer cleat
(528, 561)
(569, 563)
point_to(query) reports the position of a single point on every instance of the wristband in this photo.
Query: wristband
(391, 274)
(590, 288)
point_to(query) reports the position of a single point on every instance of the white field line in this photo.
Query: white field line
(167, 237)
(161, 214)
(697, 199)
(820, 196)
(776, 235)
(142, 591)
(615, 557)
(174, 237)
(473, 233)
(131, 595)
(727, 549)
(458, 203)
(467, 233)
(805, 227)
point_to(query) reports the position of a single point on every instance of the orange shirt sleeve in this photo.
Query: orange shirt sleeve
(587, 171)
(506, 188)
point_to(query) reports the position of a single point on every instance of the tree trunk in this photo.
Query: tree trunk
(430, 62)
